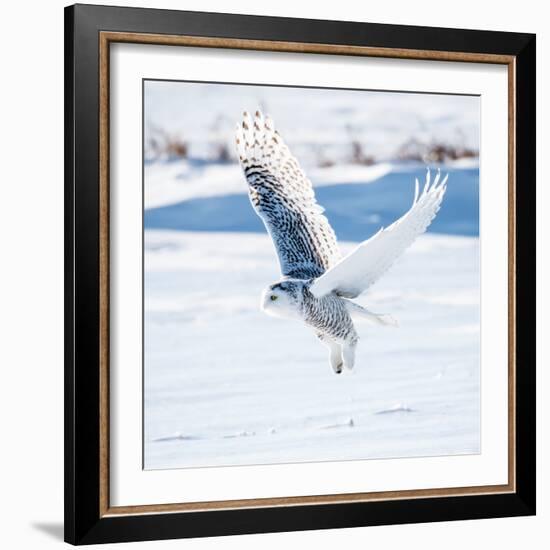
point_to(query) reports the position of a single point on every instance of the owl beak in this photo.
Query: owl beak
(265, 301)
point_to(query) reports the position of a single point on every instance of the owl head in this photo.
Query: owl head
(283, 299)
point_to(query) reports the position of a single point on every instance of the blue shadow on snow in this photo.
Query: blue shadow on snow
(355, 211)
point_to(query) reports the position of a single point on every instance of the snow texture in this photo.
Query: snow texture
(227, 385)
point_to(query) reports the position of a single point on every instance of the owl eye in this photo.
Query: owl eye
(273, 297)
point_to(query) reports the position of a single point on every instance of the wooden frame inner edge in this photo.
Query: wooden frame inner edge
(105, 38)
(104, 280)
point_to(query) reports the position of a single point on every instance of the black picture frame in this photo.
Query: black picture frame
(84, 523)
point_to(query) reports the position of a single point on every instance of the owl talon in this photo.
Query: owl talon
(338, 368)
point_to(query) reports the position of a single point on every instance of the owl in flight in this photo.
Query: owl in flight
(317, 284)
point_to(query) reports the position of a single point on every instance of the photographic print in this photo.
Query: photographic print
(311, 274)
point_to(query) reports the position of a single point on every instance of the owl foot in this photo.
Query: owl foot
(335, 357)
(337, 368)
(348, 354)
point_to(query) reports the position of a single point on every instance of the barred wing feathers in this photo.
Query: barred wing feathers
(372, 258)
(283, 197)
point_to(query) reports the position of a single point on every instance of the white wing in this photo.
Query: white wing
(368, 262)
(283, 197)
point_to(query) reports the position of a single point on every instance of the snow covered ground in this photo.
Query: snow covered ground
(226, 385)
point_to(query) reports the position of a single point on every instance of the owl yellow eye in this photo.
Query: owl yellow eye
(273, 297)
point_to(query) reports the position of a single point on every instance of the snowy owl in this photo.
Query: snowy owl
(317, 284)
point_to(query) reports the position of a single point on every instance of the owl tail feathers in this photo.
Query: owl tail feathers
(359, 312)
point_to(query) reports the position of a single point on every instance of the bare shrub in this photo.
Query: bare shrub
(163, 144)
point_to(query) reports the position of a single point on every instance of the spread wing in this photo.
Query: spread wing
(368, 262)
(283, 197)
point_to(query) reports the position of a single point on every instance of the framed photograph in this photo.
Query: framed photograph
(300, 274)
